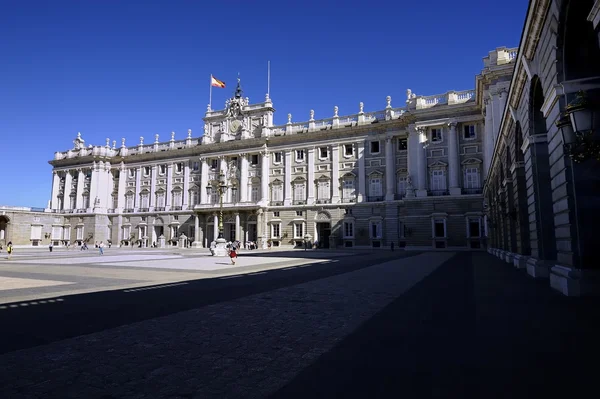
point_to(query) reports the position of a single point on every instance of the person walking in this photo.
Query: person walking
(233, 255)
(9, 249)
(101, 247)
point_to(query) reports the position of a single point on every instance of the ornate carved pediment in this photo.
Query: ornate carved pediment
(323, 215)
(438, 164)
(375, 173)
(471, 161)
(276, 182)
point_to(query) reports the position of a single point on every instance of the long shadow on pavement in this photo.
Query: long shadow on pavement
(474, 328)
(74, 315)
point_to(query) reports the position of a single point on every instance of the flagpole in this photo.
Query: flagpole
(269, 78)
(210, 92)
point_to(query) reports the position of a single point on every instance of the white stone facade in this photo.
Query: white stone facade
(411, 175)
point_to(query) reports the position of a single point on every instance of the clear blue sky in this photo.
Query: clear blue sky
(112, 69)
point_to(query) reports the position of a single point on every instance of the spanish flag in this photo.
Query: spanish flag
(214, 82)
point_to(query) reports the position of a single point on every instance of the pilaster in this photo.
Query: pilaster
(55, 189)
(152, 199)
(389, 169)
(421, 168)
(264, 177)
(287, 186)
(67, 191)
(362, 174)
(204, 181)
(80, 185)
(335, 173)
(311, 176)
(244, 178)
(169, 194)
(453, 161)
(186, 178)
(122, 187)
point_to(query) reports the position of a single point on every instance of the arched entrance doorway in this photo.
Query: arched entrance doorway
(322, 229)
(4, 222)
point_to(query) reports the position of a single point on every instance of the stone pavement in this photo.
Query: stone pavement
(38, 274)
(475, 328)
(245, 348)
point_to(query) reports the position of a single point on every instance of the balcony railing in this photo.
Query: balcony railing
(349, 199)
(375, 198)
(299, 202)
(159, 208)
(472, 190)
(176, 208)
(323, 201)
(438, 193)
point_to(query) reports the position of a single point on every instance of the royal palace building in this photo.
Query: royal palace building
(410, 175)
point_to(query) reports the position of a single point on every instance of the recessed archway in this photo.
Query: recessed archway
(4, 222)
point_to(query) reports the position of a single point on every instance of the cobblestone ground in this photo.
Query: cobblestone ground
(246, 348)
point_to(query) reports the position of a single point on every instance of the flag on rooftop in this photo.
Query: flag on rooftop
(214, 82)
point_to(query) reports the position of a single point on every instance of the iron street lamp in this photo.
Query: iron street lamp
(577, 125)
(221, 188)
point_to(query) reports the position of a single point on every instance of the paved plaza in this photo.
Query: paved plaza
(347, 324)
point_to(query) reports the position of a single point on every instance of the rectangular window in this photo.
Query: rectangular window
(195, 166)
(276, 230)
(131, 173)
(299, 213)
(36, 232)
(348, 229)
(67, 233)
(214, 163)
(146, 171)
(376, 230)
(474, 227)
(323, 190)
(179, 167)
(323, 152)
(277, 192)
(299, 194)
(402, 144)
(254, 194)
(375, 188)
(471, 178)
(177, 198)
(144, 201)
(436, 135)
(374, 147)
(439, 228)
(80, 232)
(194, 197)
(299, 155)
(160, 200)
(438, 180)
(162, 169)
(348, 150)
(401, 185)
(115, 201)
(468, 132)
(277, 157)
(254, 159)
(348, 189)
(298, 230)
(276, 214)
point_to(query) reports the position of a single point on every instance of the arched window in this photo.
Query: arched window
(578, 41)
(536, 116)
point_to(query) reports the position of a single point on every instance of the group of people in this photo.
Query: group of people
(9, 249)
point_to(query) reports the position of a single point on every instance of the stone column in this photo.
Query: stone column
(311, 176)
(335, 173)
(244, 178)
(94, 184)
(215, 226)
(152, 202)
(389, 169)
(412, 153)
(55, 188)
(197, 242)
(67, 192)
(108, 186)
(362, 173)
(237, 227)
(80, 185)
(488, 139)
(453, 160)
(168, 194)
(203, 181)
(122, 187)
(186, 185)
(287, 180)
(421, 167)
(138, 188)
(264, 178)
